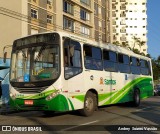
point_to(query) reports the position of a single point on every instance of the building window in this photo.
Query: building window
(49, 2)
(67, 7)
(85, 2)
(68, 24)
(34, 13)
(49, 19)
(84, 15)
(85, 30)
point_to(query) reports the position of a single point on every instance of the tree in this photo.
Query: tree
(136, 40)
(125, 44)
(135, 50)
(116, 43)
(141, 43)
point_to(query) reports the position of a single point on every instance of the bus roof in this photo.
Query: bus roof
(86, 40)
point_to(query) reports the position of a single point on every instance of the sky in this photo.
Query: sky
(153, 27)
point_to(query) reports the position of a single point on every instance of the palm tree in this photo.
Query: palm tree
(135, 50)
(136, 40)
(148, 55)
(141, 43)
(125, 44)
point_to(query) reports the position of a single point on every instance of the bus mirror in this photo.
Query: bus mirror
(4, 57)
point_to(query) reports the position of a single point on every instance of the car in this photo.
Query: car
(157, 90)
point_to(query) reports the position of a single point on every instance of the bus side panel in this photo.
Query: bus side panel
(125, 94)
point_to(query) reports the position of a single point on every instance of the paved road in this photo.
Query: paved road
(106, 118)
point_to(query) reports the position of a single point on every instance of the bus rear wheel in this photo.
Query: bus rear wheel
(89, 104)
(136, 98)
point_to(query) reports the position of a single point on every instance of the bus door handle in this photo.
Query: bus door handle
(92, 77)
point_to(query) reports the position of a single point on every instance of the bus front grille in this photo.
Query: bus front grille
(31, 90)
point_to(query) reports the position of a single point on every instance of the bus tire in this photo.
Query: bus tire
(136, 98)
(89, 104)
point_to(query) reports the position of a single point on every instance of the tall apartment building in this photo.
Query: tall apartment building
(129, 21)
(99, 20)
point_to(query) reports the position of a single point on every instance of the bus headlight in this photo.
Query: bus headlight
(52, 95)
(13, 96)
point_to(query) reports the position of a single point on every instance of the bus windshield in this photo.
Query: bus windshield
(35, 62)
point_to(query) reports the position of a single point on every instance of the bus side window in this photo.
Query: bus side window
(72, 58)
(92, 57)
(110, 61)
(144, 67)
(124, 63)
(135, 65)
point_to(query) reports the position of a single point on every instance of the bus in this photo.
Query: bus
(60, 71)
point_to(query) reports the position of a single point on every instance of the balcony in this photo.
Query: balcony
(123, 30)
(123, 23)
(113, 15)
(122, 15)
(114, 23)
(123, 7)
(123, 38)
(122, 0)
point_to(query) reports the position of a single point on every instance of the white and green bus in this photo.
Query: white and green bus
(62, 72)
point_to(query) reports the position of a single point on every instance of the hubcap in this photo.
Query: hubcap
(89, 104)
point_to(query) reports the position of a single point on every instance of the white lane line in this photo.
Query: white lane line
(89, 123)
(79, 125)
(144, 108)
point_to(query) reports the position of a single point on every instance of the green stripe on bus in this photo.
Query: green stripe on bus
(71, 104)
(121, 93)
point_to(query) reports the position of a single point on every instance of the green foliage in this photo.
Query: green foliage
(156, 68)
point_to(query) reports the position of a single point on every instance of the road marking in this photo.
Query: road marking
(79, 125)
(89, 123)
(144, 108)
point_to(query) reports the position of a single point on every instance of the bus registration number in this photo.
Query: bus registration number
(28, 102)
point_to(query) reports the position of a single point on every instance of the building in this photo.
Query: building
(101, 20)
(129, 21)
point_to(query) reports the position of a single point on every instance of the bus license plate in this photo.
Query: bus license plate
(28, 102)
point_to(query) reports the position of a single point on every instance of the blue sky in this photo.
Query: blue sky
(153, 27)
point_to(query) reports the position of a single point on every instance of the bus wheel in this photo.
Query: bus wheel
(89, 105)
(136, 98)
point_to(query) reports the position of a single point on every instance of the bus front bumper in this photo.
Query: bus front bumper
(59, 103)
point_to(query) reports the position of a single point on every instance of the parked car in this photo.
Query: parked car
(157, 90)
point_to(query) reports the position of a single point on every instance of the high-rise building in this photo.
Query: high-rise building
(100, 20)
(129, 22)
